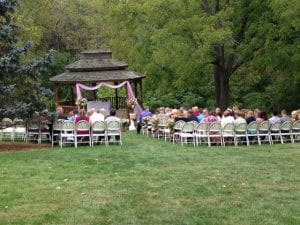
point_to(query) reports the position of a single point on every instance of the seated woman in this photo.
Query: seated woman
(82, 116)
(211, 118)
(261, 116)
(295, 116)
(227, 118)
(250, 116)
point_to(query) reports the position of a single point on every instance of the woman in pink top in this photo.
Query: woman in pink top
(82, 116)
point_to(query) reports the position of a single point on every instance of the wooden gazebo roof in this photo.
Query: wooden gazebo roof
(93, 67)
(96, 66)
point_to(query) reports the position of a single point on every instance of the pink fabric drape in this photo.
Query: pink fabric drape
(138, 109)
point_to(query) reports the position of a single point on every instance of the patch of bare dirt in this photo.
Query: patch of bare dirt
(18, 146)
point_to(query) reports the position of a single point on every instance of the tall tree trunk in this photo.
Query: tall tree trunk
(221, 75)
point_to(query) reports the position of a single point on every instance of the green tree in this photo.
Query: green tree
(20, 90)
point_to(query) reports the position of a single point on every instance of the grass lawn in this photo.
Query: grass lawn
(151, 182)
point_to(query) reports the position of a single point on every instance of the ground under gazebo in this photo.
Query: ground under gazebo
(92, 68)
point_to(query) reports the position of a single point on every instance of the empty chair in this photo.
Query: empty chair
(82, 132)
(19, 131)
(215, 134)
(98, 133)
(44, 132)
(285, 132)
(7, 128)
(186, 134)
(177, 129)
(56, 131)
(33, 130)
(263, 132)
(114, 132)
(201, 133)
(275, 132)
(252, 132)
(67, 133)
(228, 133)
(241, 134)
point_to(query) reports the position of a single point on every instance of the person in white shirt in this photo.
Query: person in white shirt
(95, 116)
(239, 118)
(227, 118)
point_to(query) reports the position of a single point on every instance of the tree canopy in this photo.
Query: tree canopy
(196, 52)
(20, 90)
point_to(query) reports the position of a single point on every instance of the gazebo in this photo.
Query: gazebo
(92, 68)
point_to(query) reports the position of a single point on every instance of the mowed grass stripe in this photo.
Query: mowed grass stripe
(147, 181)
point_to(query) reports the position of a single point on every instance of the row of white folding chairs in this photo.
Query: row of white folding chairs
(12, 129)
(68, 132)
(195, 133)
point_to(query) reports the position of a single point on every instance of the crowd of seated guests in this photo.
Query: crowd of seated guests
(230, 115)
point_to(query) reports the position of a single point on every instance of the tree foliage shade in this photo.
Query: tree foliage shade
(20, 89)
(209, 53)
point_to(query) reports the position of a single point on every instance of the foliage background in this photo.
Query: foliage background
(171, 42)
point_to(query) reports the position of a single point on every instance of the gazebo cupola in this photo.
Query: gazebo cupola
(93, 67)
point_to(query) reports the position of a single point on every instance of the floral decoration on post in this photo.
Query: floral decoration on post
(131, 103)
(170, 125)
(81, 102)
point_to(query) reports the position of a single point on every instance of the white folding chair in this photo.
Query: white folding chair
(285, 132)
(56, 131)
(177, 129)
(241, 134)
(187, 134)
(252, 132)
(82, 131)
(114, 132)
(7, 129)
(67, 133)
(296, 131)
(33, 130)
(228, 133)
(275, 132)
(19, 131)
(98, 133)
(201, 133)
(215, 134)
(263, 132)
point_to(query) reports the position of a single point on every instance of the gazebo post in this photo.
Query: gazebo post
(141, 92)
(116, 97)
(135, 89)
(57, 93)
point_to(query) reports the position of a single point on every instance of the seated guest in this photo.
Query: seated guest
(295, 116)
(112, 117)
(284, 116)
(250, 117)
(144, 114)
(211, 118)
(70, 116)
(180, 115)
(95, 116)
(195, 110)
(190, 116)
(103, 112)
(227, 118)
(274, 118)
(82, 116)
(235, 110)
(239, 118)
(219, 113)
(201, 115)
(261, 116)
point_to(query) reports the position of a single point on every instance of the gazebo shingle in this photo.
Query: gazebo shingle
(96, 76)
(96, 66)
